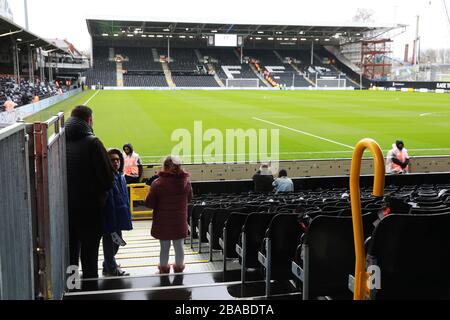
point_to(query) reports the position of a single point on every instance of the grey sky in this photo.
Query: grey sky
(62, 19)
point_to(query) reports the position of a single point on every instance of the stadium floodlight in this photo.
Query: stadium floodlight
(182, 37)
(295, 39)
(261, 32)
(302, 39)
(286, 39)
(191, 37)
(166, 30)
(187, 29)
(327, 40)
(270, 38)
(317, 39)
(213, 31)
(159, 36)
(143, 35)
(151, 35)
(105, 34)
(18, 39)
(258, 38)
(301, 32)
(130, 35)
(116, 35)
(31, 44)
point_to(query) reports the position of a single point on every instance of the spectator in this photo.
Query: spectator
(133, 164)
(283, 183)
(169, 197)
(397, 159)
(89, 177)
(263, 179)
(117, 216)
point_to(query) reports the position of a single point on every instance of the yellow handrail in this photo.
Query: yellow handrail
(361, 290)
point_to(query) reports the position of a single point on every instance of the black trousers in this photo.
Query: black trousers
(84, 243)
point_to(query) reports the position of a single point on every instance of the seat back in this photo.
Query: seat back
(218, 223)
(284, 233)
(413, 254)
(255, 227)
(232, 230)
(332, 254)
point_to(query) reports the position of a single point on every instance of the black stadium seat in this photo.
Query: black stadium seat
(278, 248)
(253, 232)
(230, 236)
(329, 256)
(413, 254)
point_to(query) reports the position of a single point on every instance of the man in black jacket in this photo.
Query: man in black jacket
(263, 179)
(89, 177)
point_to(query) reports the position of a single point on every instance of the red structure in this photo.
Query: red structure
(373, 58)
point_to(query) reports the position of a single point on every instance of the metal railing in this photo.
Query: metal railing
(361, 290)
(16, 239)
(52, 208)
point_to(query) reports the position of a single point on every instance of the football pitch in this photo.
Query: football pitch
(311, 124)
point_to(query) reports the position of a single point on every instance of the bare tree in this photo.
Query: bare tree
(363, 15)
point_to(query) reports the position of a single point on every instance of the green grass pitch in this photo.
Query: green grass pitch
(312, 124)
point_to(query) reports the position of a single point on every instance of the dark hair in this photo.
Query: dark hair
(129, 146)
(282, 173)
(82, 112)
(119, 153)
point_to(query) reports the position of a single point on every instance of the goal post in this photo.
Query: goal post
(242, 83)
(331, 82)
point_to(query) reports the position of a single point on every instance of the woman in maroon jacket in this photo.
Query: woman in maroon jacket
(169, 197)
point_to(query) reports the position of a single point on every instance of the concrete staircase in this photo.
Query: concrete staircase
(199, 56)
(279, 56)
(119, 74)
(260, 77)
(212, 70)
(155, 55)
(293, 65)
(168, 74)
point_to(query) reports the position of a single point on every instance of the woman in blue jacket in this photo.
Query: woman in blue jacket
(117, 216)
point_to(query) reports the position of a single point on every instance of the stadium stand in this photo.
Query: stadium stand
(24, 92)
(189, 66)
(195, 81)
(103, 71)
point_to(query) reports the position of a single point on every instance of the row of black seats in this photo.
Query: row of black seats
(263, 231)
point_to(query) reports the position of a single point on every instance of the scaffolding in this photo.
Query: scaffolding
(374, 54)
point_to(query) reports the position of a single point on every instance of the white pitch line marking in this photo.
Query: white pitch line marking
(93, 96)
(304, 132)
(293, 153)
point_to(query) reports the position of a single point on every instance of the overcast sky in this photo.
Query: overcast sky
(67, 19)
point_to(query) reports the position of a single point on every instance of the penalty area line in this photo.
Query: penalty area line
(304, 132)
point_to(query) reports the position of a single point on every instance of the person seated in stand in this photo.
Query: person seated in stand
(397, 159)
(263, 179)
(283, 183)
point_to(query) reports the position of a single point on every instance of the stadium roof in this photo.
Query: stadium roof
(165, 26)
(22, 36)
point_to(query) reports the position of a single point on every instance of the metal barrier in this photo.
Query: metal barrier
(361, 290)
(52, 208)
(16, 240)
(138, 192)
